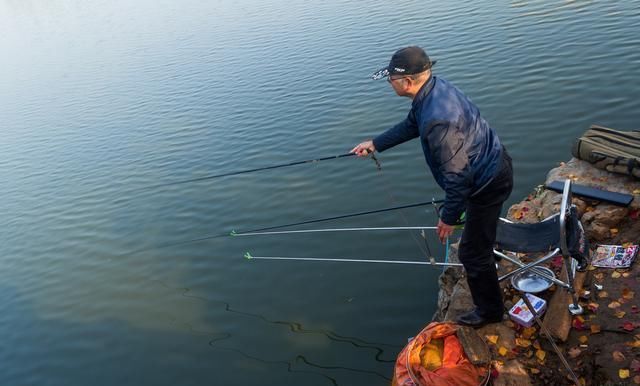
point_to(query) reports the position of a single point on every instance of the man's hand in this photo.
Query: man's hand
(364, 148)
(444, 231)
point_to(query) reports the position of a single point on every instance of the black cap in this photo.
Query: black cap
(406, 61)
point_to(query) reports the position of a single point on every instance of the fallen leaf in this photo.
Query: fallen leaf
(634, 214)
(623, 373)
(534, 370)
(628, 326)
(627, 294)
(493, 339)
(578, 323)
(635, 365)
(614, 231)
(595, 328)
(634, 309)
(528, 332)
(593, 307)
(614, 304)
(618, 356)
(626, 274)
(540, 354)
(521, 342)
(603, 295)
(528, 354)
(616, 274)
(636, 379)
(620, 314)
(599, 276)
(536, 345)
(634, 344)
(583, 339)
(636, 191)
(574, 352)
(503, 351)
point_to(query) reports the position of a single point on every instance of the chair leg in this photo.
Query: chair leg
(574, 308)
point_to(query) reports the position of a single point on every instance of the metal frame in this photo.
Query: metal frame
(565, 207)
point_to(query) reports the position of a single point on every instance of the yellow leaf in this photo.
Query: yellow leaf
(636, 191)
(603, 295)
(635, 344)
(627, 293)
(614, 231)
(493, 339)
(523, 342)
(614, 304)
(595, 328)
(620, 314)
(626, 274)
(534, 370)
(536, 345)
(540, 355)
(503, 351)
(591, 268)
(623, 373)
(583, 339)
(528, 332)
(616, 274)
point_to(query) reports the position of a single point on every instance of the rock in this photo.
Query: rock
(460, 301)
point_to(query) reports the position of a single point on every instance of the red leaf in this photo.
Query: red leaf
(556, 262)
(494, 373)
(628, 326)
(635, 365)
(578, 324)
(634, 214)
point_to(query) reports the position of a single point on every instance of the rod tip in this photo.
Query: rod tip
(248, 256)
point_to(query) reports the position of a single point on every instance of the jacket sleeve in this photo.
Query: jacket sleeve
(402, 132)
(447, 147)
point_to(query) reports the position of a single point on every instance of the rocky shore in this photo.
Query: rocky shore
(602, 345)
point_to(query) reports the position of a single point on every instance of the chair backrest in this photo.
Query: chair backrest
(542, 236)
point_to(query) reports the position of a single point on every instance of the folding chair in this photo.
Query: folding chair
(561, 234)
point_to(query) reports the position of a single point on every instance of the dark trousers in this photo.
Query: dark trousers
(479, 235)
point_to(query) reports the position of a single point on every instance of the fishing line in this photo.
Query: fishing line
(387, 189)
(234, 173)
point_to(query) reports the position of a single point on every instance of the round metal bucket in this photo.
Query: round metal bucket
(530, 281)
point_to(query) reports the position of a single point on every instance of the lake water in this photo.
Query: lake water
(100, 100)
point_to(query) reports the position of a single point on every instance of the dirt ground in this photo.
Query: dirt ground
(603, 346)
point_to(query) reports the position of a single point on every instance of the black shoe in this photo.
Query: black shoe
(476, 320)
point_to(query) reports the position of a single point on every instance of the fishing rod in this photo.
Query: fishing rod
(235, 233)
(332, 230)
(204, 178)
(248, 256)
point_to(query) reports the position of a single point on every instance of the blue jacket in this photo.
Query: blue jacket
(462, 151)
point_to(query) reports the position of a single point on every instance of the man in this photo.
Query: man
(466, 159)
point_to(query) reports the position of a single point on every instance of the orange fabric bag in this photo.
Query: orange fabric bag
(456, 370)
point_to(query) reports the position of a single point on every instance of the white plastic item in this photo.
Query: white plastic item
(521, 314)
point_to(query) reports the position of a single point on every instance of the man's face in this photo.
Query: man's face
(398, 83)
